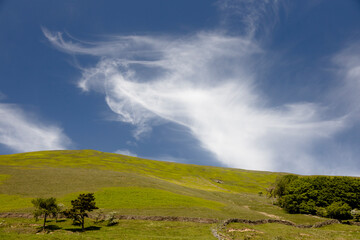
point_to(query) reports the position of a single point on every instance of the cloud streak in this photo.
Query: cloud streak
(347, 63)
(206, 83)
(253, 16)
(21, 132)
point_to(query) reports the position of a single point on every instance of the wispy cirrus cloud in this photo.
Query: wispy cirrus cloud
(253, 16)
(347, 62)
(21, 132)
(205, 82)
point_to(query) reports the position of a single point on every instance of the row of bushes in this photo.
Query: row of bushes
(334, 197)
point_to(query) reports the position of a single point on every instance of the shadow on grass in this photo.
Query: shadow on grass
(48, 228)
(61, 220)
(112, 224)
(52, 227)
(91, 228)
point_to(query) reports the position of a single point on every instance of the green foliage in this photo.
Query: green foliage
(281, 184)
(325, 196)
(80, 207)
(45, 207)
(278, 189)
(321, 212)
(339, 210)
(355, 213)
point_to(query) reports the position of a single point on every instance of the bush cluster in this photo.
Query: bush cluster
(335, 197)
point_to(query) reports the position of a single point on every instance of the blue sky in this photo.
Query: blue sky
(265, 85)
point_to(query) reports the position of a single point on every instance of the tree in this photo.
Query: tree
(270, 193)
(80, 207)
(46, 207)
(325, 196)
(339, 210)
(282, 183)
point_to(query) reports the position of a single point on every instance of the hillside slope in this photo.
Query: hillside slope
(134, 186)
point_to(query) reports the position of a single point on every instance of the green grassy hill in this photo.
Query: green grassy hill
(134, 186)
(130, 185)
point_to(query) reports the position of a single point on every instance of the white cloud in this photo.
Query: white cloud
(22, 133)
(126, 152)
(254, 16)
(205, 83)
(348, 63)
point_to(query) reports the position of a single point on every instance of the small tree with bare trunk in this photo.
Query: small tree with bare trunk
(45, 207)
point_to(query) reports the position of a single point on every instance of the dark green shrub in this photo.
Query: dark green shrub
(307, 207)
(317, 194)
(339, 210)
(321, 212)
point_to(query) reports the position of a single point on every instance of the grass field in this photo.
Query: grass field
(125, 230)
(134, 186)
(138, 229)
(199, 177)
(272, 231)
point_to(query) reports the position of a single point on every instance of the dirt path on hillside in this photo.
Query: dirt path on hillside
(270, 215)
(264, 213)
